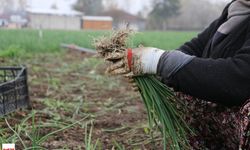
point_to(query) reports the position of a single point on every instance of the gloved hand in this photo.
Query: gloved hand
(134, 62)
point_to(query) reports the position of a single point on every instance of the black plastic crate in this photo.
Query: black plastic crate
(14, 93)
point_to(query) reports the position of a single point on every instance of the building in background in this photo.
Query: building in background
(18, 21)
(3, 21)
(13, 20)
(54, 19)
(97, 22)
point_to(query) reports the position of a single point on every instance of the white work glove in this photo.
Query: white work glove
(134, 62)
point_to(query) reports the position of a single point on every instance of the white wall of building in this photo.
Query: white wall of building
(50, 21)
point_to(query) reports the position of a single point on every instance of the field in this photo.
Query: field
(75, 105)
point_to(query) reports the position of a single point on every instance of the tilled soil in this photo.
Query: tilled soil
(69, 86)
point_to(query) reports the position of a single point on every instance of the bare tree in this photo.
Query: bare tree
(89, 7)
(162, 11)
(22, 4)
(54, 6)
(110, 4)
(143, 13)
(6, 5)
(127, 4)
(12, 5)
(195, 14)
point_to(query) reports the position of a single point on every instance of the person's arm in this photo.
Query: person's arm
(225, 81)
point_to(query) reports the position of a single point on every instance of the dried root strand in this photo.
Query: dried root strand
(117, 42)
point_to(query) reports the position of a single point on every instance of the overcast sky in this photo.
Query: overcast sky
(132, 6)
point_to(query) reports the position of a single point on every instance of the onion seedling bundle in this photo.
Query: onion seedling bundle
(159, 99)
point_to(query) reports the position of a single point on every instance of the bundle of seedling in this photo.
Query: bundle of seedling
(159, 99)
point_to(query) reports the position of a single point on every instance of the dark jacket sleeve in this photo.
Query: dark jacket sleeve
(225, 81)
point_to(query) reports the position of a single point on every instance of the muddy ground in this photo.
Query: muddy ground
(71, 86)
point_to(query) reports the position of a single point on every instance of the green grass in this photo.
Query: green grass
(16, 42)
(163, 40)
(33, 132)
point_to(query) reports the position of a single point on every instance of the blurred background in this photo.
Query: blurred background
(107, 14)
